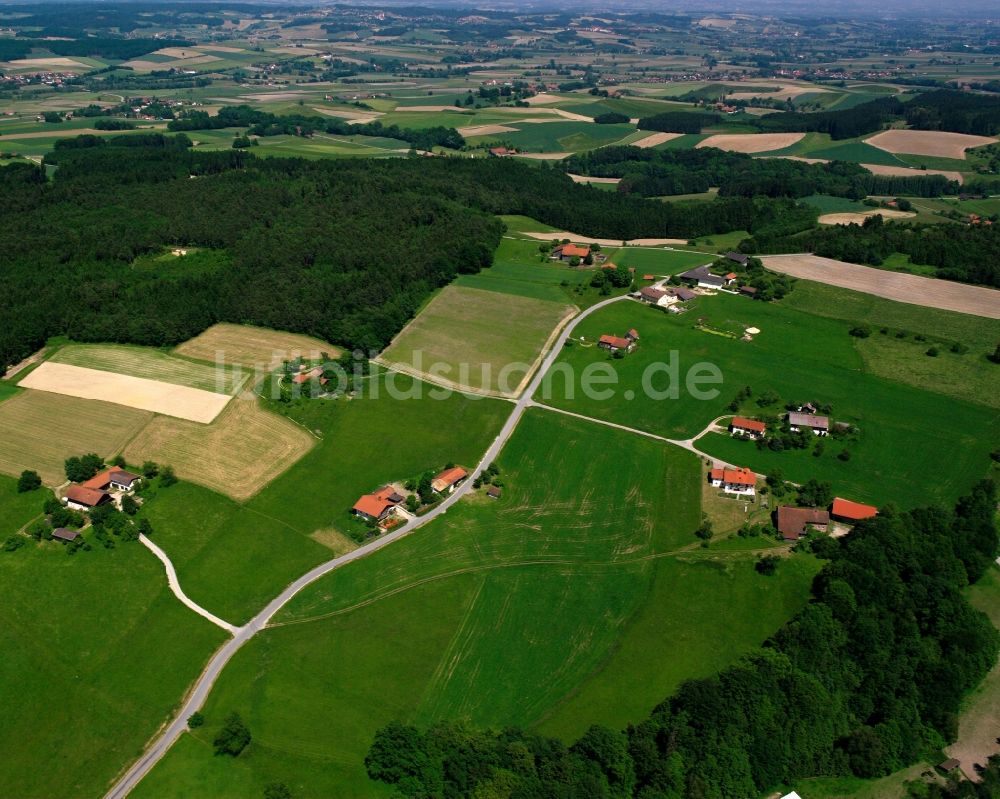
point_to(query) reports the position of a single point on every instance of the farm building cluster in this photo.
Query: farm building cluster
(389, 505)
(619, 344)
(102, 489)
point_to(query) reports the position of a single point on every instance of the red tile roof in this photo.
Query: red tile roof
(633, 334)
(737, 476)
(649, 277)
(569, 250)
(854, 511)
(448, 478)
(376, 504)
(742, 423)
(103, 479)
(85, 496)
(617, 342)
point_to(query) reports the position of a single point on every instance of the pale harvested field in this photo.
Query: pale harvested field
(545, 156)
(130, 392)
(543, 99)
(803, 159)
(898, 286)
(237, 455)
(655, 138)
(150, 364)
(46, 63)
(419, 108)
(221, 48)
(52, 134)
(589, 179)
(465, 337)
(179, 63)
(273, 97)
(179, 52)
(351, 116)
(41, 430)
(880, 169)
(751, 142)
(927, 142)
(253, 347)
(559, 235)
(861, 216)
(785, 91)
(484, 130)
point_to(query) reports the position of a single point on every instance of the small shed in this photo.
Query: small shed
(949, 765)
(493, 492)
(65, 534)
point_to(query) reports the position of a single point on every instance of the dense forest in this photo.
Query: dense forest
(866, 679)
(968, 254)
(345, 250)
(653, 173)
(263, 123)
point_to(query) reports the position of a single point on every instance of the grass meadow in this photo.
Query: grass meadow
(904, 430)
(95, 653)
(573, 599)
(233, 557)
(476, 329)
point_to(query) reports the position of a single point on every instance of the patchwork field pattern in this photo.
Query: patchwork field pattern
(252, 347)
(157, 396)
(237, 455)
(468, 335)
(42, 429)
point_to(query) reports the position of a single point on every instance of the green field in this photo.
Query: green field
(483, 340)
(567, 136)
(95, 648)
(232, 558)
(903, 430)
(571, 600)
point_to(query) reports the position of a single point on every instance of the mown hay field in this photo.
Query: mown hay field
(467, 336)
(42, 429)
(252, 347)
(127, 391)
(149, 364)
(237, 455)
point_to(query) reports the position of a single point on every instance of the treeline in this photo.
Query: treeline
(863, 681)
(965, 253)
(345, 250)
(678, 121)
(95, 46)
(264, 123)
(655, 173)
(944, 109)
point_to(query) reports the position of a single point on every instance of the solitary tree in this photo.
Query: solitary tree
(28, 481)
(167, 476)
(233, 738)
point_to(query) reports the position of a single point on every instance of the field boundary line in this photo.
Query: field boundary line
(175, 586)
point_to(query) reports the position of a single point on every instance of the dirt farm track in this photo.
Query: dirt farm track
(898, 286)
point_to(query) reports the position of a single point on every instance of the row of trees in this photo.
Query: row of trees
(863, 681)
(968, 254)
(264, 123)
(652, 173)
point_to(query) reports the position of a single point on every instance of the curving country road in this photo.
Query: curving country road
(203, 685)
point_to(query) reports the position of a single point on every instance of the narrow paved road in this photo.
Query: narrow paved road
(199, 692)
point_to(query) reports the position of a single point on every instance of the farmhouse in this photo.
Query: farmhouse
(566, 251)
(750, 428)
(376, 507)
(632, 335)
(738, 257)
(792, 522)
(448, 480)
(734, 481)
(114, 479)
(820, 425)
(652, 295)
(502, 152)
(703, 278)
(80, 498)
(65, 534)
(615, 343)
(843, 510)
